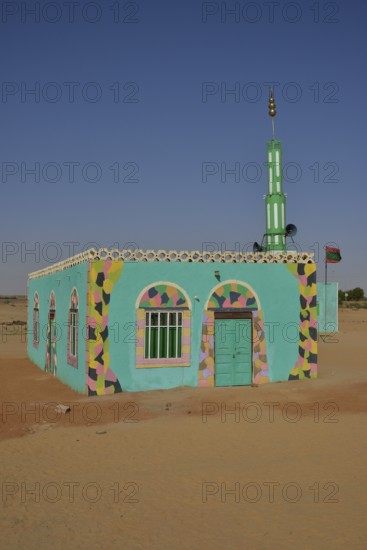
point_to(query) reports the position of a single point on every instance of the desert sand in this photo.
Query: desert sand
(177, 469)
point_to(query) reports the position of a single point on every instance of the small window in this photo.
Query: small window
(36, 324)
(73, 330)
(163, 334)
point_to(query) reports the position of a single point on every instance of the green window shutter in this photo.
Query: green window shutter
(163, 343)
(179, 344)
(172, 342)
(153, 343)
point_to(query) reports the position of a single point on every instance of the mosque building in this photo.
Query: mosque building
(106, 321)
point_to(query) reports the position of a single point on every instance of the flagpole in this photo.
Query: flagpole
(325, 293)
(325, 270)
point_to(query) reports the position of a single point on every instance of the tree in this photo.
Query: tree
(357, 294)
(354, 295)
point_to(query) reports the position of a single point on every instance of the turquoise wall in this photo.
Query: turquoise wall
(62, 283)
(275, 286)
(277, 290)
(327, 317)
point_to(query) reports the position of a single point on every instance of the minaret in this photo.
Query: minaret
(275, 199)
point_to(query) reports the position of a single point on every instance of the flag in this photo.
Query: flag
(332, 255)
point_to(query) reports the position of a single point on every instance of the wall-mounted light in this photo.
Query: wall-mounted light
(217, 274)
(197, 298)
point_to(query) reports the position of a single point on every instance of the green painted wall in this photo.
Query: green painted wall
(277, 290)
(62, 283)
(327, 318)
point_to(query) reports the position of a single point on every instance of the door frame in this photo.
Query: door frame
(235, 314)
(245, 314)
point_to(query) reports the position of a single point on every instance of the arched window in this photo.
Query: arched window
(51, 339)
(73, 329)
(52, 301)
(163, 336)
(36, 323)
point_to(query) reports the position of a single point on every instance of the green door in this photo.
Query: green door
(233, 352)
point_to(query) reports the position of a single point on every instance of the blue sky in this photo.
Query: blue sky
(144, 97)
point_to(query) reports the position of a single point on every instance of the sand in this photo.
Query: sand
(177, 469)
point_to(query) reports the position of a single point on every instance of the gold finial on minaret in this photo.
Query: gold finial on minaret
(272, 111)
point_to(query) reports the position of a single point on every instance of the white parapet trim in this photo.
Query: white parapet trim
(174, 256)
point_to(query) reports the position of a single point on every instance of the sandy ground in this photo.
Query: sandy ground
(176, 469)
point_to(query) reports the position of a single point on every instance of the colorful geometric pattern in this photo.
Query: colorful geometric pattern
(232, 295)
(50, 366)
(103, 275)
(306, 365)
(74, 303)
(35, 320)
(163, 295)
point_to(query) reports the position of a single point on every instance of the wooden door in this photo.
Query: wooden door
(233, 352)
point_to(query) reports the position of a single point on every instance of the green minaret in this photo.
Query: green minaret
(275, 199)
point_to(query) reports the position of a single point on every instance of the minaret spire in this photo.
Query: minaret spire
(275, 199)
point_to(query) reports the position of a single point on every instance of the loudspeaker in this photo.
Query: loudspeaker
(257, 248)
(290, 230)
